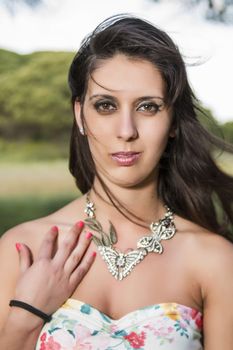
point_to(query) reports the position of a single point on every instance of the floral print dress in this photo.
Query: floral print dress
(79, 326)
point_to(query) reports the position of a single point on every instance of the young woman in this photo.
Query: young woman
(144, 259)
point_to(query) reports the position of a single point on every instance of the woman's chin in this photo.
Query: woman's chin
(129, 181)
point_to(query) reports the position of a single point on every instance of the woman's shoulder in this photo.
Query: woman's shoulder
(214, 261)
(208, 243)
(214, 254)
(200, 237)
(210, 254)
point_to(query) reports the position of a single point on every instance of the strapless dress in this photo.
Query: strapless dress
(79, 326)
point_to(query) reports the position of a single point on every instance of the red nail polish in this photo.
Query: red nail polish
(88, 235)
(93, 254)
(54, 229)
(18, 246)
(79, 224)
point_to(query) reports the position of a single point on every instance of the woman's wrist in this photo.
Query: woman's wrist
(30, 308)
(23, 321)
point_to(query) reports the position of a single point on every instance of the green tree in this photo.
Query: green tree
(228, 131)
(34, 95)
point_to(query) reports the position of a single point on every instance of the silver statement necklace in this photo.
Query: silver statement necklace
(121, 264)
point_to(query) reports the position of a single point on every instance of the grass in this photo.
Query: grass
(33, 189)
(29, 151)
(14, 211)
(36, 178)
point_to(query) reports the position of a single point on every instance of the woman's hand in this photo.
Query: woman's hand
(53, 276)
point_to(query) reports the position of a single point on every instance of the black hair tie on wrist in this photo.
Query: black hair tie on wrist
(32, 309)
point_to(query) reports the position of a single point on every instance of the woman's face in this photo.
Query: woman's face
(126, 121)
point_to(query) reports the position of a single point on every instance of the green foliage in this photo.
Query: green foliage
(228, 131)
(223, 131)
(209, 122)
(34, 95)
(10, 61)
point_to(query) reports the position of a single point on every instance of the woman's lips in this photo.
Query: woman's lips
(125, 158)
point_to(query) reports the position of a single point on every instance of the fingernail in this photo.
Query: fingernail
(79, 224)
(18, 246)
(54, 229)
(93, 254)
(88, 235)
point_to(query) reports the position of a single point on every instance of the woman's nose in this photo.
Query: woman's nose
(127, 128)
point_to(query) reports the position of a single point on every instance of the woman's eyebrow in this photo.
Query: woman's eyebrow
(137, 100)
(149, 98)
(101, 95)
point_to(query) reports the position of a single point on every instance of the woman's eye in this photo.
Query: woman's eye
(149, 107)
(104, 106)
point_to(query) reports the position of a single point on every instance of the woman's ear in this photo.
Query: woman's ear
(77, 113)
(172, 133)
(173, 126)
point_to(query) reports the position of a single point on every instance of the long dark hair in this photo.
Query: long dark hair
(189, 180)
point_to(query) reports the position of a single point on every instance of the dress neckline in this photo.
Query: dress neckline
(171, 307)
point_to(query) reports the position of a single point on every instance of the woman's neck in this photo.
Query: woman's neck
(142, 202)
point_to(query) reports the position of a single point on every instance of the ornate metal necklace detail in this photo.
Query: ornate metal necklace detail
(121, 264)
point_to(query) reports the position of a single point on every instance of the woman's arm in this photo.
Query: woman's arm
(20, 331)
(44, 283)
(218, 295)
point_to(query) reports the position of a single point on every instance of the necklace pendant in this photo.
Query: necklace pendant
(151, 244)
(120, 264)
(162, 230)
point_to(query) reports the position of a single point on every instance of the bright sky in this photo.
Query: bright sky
(61, 25)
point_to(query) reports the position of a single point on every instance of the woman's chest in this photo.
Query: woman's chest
(156, 279)
(77, 325)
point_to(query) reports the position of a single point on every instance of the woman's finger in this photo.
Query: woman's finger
(68, 244)
(25, 257)
(78, 253)
(48, 245)
(81, 270)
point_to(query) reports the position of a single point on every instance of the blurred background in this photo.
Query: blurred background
(38, 39)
